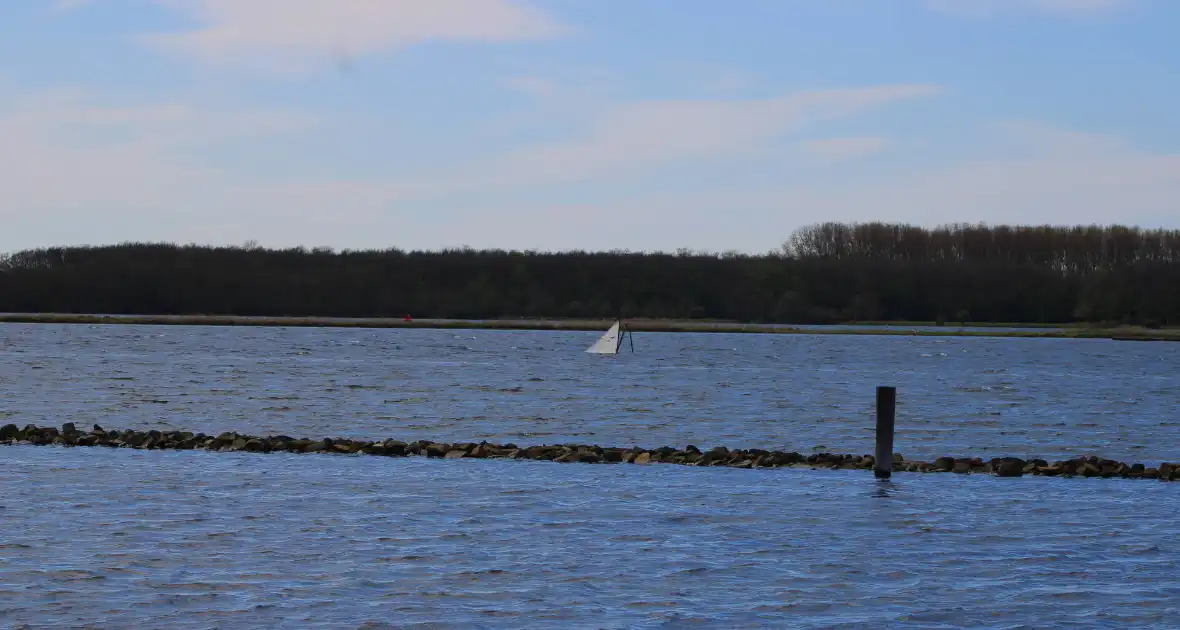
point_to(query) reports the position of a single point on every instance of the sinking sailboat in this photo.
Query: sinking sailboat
(612, 340)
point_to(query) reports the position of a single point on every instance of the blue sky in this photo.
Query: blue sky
(578, 124)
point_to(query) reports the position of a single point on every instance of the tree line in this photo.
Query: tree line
(825, 273)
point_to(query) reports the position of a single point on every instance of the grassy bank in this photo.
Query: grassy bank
(1130, 333)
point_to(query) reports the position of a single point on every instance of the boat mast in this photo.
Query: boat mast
(623, 332)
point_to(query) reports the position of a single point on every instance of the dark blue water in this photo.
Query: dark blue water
(121, 538)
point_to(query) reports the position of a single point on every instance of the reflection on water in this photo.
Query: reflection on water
(883, 489)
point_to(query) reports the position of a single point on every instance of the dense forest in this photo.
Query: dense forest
(824, 273)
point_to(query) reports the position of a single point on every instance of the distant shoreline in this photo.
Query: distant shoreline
(1059, 331)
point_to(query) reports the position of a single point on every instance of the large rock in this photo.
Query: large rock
(588, 457)
(256, 445)
(395, 448)
(1010, 468)
(787, 459)
(480, 451)
(279, 442)
(612, 455)
(1114, 469)
(375, 449)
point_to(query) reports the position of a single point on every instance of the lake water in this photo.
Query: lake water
(123, 538)
(1050, 398)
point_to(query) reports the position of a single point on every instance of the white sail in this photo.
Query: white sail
(607, 343)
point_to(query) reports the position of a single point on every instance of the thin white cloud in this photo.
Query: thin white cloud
(1059, 176)
(1040, 139)
(75, 170)
(721, 79)
(291, 35)
(65, 6)
(990, 8)
(78, 171)
(77, 111)
(64, 150)
(639, 135)
(839, 149)
(1133, 187)
(533, 86)
(150, 168)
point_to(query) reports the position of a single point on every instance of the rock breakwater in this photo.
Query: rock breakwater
(70, 436)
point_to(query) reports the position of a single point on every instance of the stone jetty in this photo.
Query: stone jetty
(70, 436)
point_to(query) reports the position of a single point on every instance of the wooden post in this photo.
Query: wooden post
(886, 407)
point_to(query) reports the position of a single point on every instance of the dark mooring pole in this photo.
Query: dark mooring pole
(886, 406)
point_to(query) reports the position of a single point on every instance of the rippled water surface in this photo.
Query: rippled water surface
(957, 396)
(121, 538)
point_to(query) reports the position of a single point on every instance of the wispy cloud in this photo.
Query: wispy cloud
(75, 117)
(64, 6)
(533, 86)
(989, 8)
(839, 149)
(292, 35)
(1058, 176)
(1061, 176)
(631, 136)
(69, 155)
(727, 79)
(1043, 185)
(76, 169)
